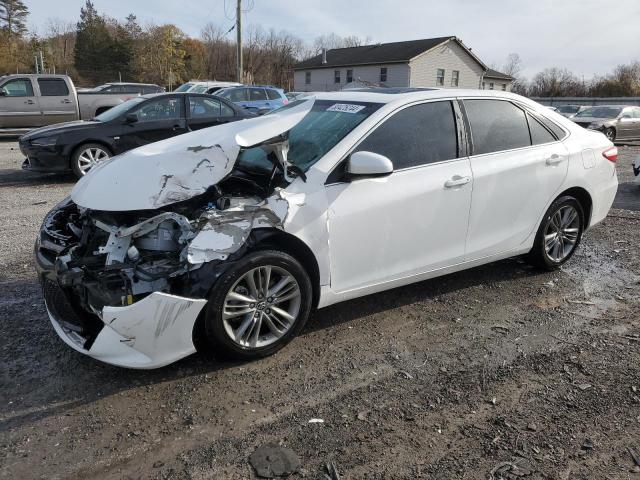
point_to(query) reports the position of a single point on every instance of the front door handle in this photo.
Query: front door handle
(176, 127)
(29, 102)
(554, 159)
(66, 100)
(456, 181)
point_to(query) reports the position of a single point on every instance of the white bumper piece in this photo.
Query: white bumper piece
(151, 333)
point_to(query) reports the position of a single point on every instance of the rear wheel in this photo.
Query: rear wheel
(87, 156)
(258, 306)
(610, 133)
(559, 234)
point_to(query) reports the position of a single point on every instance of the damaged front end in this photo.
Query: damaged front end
(126, 286)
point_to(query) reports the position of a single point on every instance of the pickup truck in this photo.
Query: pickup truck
(29, 101)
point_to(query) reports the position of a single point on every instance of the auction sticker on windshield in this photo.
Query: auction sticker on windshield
(345, 108)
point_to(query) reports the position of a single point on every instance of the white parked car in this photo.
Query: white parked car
(236, 233)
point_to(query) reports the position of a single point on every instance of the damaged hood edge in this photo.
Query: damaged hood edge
(178, 168)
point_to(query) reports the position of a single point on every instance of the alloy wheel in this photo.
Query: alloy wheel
(261, 306)
(89, 157)
(561, 234)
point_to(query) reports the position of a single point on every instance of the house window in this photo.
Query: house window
(491, 86)
(336, 76)
(383, 74)
(307, 78)
(504, 87)
(349, 76)
(440, 77)
(455, 78)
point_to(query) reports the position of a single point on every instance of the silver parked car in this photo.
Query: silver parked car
(617, 122)
(570, 111)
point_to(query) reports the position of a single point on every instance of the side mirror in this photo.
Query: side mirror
(369, 164)
(3, 93)
(131, 118)
(262, 111)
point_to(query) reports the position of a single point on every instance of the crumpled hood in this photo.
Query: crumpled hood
(178, 168)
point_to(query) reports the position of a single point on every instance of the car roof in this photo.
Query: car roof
(402, 95)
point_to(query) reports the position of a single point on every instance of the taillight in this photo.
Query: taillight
(285, 101)
(611, 154)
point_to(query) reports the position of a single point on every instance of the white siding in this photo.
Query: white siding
(449, 57)
(497, 83)
(322, 79)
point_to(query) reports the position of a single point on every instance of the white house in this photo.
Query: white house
(432, 62)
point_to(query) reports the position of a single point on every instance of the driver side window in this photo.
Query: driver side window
(417, 135)
(161, 109)
(20, 87)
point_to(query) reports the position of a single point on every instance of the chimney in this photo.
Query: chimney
(324, 55)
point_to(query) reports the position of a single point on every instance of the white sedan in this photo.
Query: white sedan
(234, 234)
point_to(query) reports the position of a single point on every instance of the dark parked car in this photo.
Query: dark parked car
(77, 146)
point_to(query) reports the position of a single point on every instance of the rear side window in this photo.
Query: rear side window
(416, 135)
(273, 95)
(53, 87)
(257, 94)
(235, 95)
(496, 126)
(539, 134)
(150, 90)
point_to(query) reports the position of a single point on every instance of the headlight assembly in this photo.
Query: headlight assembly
(45, 141)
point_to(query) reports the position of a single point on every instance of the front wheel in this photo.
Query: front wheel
(258, 306)
(559, 234)
(610, 133)
(87, 156)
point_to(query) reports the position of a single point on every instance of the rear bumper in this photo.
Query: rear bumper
(603, 200)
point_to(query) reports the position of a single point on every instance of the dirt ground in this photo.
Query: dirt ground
(501, 371)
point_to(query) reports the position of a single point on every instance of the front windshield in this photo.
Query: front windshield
(118, 110)
(184, 87)
(600, 112)
(319, 131)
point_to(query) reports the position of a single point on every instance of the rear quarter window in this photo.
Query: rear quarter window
(273, 95)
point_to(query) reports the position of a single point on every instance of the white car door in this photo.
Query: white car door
(518, 167)
(411, 221)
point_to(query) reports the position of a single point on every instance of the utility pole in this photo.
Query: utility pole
(239, 39)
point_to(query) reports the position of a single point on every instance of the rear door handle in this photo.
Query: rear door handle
(66, 100)
(456, 181)
(29, 102)
(554, 159)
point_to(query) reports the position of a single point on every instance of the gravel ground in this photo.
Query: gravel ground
(501, 371)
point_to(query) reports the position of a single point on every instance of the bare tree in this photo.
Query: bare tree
(556, 82)
(513, 65)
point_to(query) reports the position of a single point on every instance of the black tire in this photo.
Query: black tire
(538, 255)
(610, 133)
(76, 161)
(217, 336)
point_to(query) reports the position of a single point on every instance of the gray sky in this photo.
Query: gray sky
(586, 36)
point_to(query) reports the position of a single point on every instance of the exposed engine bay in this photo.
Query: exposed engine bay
(117, 258)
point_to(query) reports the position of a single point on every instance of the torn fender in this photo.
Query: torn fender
(178, 168)
(222, 232)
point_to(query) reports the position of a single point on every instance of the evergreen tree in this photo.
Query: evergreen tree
(13, 17)
(93, 56)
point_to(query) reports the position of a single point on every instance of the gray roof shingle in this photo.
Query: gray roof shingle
(491, 73)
